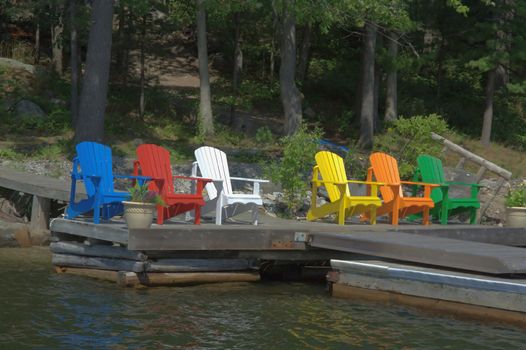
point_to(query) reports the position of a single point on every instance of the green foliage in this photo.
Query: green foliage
(407, 138)
(292, 170)
(141, 194)
(356, 164)
(264, 135)
(516, 197)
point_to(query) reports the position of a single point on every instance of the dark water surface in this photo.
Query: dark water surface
(42, 310)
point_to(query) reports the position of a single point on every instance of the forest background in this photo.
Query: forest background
(242, 74)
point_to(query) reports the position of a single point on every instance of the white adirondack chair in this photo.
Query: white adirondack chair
(212, 164)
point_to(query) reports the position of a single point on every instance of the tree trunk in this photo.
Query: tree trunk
(74, 62)
(238, 65)
(37, 43)
(367, 110)
(120, 35)
(391, 98)
(275, 30)
(126, 48)
(56, 42)
(485, 139)
(143, 78)
(205, 103)
(290, 95)
(304, 55)
(377, 81)
(90, 125)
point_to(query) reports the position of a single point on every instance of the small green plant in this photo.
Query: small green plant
(141, 194)
(293, 169)
(264, 135)
(407, 138)
(516, 197)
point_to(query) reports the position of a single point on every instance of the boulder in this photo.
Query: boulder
(28, 109)
(14, 64)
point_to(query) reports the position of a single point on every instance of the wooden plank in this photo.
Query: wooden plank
(473, 157)
(111, 232)
(97, 263)
(456, 309)
(515, 237)
(465, 255)
(39, 215)
(500, 293)
(195, 265)
(105, 275)
(130, 279)
(39, 185)
(242, 237)
(104, 251)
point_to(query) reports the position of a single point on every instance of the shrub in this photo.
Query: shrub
(293, 169)
(516, 197)
(407, 138)
(264, 135)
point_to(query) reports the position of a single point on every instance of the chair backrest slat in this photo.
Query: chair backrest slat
(213, 164)
(155, 162)
(96, 159)
(432, 171)
(385, 169)
(332, 168)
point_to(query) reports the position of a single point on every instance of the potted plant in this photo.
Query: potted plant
(516, 207)
(139, 210)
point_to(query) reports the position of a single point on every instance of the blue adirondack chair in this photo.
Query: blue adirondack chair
(96, 173)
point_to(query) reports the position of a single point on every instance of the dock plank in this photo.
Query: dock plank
(39, 185)
(445, 252)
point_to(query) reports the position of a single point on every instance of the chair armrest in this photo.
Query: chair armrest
(133, 177)
(419, 184)
(248, 180)
(366, 182)
(193, 178)
(462, 184)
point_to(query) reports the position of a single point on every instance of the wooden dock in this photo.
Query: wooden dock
(278, 239)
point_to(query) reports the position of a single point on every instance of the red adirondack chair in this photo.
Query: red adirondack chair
(154, 161)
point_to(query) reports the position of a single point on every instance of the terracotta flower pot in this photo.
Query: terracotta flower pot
(138, 215)
(516, 217)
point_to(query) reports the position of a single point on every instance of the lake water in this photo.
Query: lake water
(42, 310)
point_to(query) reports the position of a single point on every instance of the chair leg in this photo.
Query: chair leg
(443, 215)
(197, 212)
(395, 213)
(219, 210)
(473, 216)
(341, 212)
(255, 214)
(160, 215)
(373, 215)
(425, 216)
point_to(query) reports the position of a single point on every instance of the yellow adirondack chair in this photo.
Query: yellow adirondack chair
(332, 170)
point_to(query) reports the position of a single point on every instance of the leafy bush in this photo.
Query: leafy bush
(516, 197)
(407, 138)
(264, 135)
(293, 169)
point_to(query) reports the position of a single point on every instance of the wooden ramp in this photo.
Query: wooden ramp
(437, 251)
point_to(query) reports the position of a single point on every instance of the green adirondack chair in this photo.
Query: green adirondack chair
(430, 170)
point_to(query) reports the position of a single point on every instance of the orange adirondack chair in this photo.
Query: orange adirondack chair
(154, 161)
(385, 169)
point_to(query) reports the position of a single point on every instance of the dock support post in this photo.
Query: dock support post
(39, 216)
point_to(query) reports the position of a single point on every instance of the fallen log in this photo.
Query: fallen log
(65, 260)
(131, 279)
(191, 265)
(103, 251)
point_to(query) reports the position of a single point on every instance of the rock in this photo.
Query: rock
(309, 112)
(27, 109)
(14, 235)
(10, 63)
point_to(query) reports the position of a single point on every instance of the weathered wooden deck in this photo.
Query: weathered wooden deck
(279, 239)
(43, 188)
